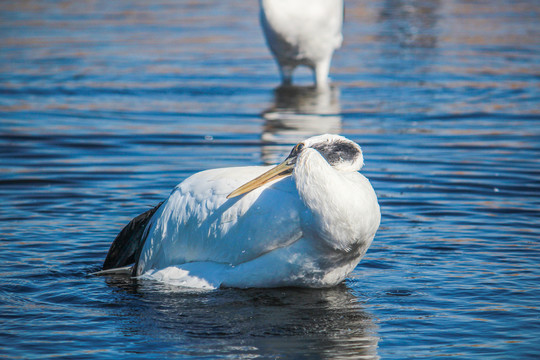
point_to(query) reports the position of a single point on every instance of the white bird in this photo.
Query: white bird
(302, 32)
(305, 222)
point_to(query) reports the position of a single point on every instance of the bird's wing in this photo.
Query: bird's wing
(127, 245)
(197, 222)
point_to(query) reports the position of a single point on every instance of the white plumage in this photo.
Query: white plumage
(303, 32)
(306, 222)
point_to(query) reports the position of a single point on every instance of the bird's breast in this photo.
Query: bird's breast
(343, 208)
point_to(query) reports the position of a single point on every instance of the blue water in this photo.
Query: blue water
(106, 105)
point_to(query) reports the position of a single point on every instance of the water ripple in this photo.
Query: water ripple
(105, 106)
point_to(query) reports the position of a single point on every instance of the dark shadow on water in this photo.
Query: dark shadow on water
(297, 113)
(291, 322)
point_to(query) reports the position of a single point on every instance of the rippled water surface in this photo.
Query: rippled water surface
(106, 105)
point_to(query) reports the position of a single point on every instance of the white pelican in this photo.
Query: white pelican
(305, 222)
(302, 32)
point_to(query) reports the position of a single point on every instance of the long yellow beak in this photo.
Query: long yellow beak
(280, 171)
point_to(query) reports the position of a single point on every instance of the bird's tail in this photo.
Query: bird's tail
(127, 245)
(126, 270)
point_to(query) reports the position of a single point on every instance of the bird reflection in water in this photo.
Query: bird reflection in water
(298, 112)
(305, 323)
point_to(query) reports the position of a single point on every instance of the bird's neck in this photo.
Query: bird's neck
(343, 206)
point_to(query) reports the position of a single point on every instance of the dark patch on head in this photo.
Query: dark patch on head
(337, 151)
(297, 149)
(294, 153)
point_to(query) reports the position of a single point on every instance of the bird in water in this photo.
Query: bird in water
(303, 32)
(306, 222)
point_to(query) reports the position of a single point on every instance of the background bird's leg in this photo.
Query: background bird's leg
(286, 74)
(320, 72)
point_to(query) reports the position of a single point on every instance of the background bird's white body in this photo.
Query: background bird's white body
(309, 229)
(303, 32)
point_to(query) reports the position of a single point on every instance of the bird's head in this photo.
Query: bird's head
(340, 153)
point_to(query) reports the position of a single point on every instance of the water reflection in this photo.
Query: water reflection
(297, 113)
(309, 323)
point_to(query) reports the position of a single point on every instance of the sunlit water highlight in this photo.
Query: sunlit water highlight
(106, 105)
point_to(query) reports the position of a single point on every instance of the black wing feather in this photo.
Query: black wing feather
(127, 246)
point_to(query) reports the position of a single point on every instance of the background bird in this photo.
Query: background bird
(305, 222)
(302, 32)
